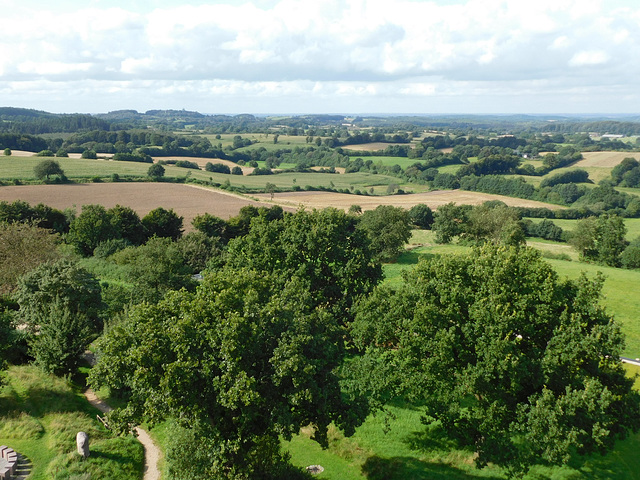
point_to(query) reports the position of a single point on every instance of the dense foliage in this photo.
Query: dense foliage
(509, 359)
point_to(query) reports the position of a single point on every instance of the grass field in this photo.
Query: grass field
(40, 417)
(404, 162)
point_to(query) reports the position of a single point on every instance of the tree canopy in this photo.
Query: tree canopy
(324, 246)
(512, 361)
(243, 361)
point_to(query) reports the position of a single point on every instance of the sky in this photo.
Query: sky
(322, 56)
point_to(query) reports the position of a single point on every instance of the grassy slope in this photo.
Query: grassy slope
(40, 416)
(22, 168)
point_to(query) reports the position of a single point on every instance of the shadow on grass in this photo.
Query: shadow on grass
(409, 468)
(432, 437)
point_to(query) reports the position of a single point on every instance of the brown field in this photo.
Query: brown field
(604, 159)
(375, 146)
(187, 200)
(432, 199)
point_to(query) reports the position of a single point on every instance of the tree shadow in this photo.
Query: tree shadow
(431, 438)
(41, 401)
(409, 468)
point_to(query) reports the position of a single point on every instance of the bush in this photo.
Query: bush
(187, 164)
(45, 153)
(132, 157)
(217, 168)
(156, 171)
(89, 154)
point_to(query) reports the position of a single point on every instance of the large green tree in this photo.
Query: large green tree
(46, 168)
(22, 248)
(61, 304)
(155, 268)
(93, 226)
(324, 246)
(245, 360)
(161, 222)
(511, 360)
(388, 229)
(600, 239)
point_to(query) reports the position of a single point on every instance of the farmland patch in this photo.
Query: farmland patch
(432, 199)
(187, 200)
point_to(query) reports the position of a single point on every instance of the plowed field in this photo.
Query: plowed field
(187, 200)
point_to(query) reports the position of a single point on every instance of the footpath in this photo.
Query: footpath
(151, 451)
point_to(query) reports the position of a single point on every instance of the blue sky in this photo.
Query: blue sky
(326, 56)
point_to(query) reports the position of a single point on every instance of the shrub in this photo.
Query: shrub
(217, 167)
(188, 164)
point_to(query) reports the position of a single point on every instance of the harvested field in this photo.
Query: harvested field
(432, 199)
(187, 200)
(604, 159)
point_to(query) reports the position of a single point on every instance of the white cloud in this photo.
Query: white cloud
(359, 49)
(589, 58)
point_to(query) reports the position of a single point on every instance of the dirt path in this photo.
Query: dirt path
(151, 451)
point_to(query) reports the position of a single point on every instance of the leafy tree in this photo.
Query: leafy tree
(630, 258)
(93, 226)
(449, 221)
(156, 171)
(510, 360)
(323, 246)
(210, 225)
(63, 336)
(236, 170)
(46, 168)
(22, 248)
(7, 152)
(242, 362)
(388, 229)
(218, 167)
(128, 224)
(497, 224)
(90, 154)
(45, 153)
(161, 222)
(421, 216)
(600, 239)
(63, 283)
(197, 249)
(155, 268)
